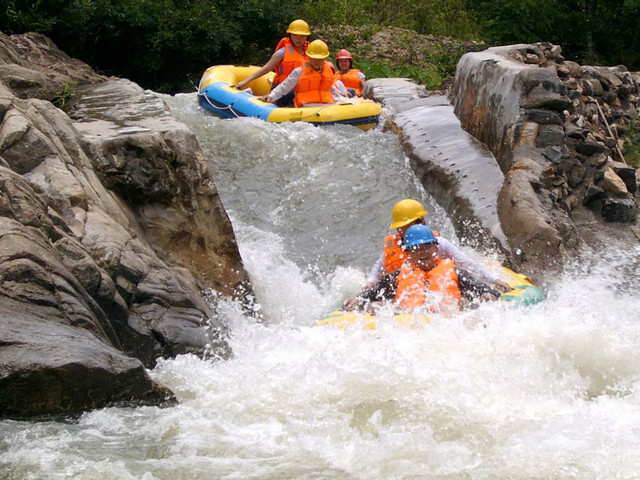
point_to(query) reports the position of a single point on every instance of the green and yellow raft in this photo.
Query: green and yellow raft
(523, 293)
(216, 94)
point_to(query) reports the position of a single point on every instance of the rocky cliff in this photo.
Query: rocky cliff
(110, 230)
(557, 130)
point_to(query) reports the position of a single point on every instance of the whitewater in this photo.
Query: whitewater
(548, 391)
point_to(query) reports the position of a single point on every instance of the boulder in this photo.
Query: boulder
(33, 67)
(65, 369)
(111, 233)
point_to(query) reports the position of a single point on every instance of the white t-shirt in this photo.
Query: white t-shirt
(289, 83)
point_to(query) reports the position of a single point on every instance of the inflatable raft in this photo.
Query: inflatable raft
(523, 293)
(216, 94)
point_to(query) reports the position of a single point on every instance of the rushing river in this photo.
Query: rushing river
(547, 392)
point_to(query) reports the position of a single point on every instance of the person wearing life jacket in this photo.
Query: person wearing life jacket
(312, 83)
(410, 212)
(290, 53)
(424, 274)
(406, 213)
(425, 281)
(352, 78)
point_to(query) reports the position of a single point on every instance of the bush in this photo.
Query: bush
(161, 44)
(165, 45)
(632, 146)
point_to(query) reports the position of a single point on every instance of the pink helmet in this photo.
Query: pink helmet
(343, 54)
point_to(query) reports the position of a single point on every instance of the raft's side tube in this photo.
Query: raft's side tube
(523, 292)
(228, 102)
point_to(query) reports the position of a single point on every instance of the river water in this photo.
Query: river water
(547, 392)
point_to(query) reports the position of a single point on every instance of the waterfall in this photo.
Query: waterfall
(549, 391)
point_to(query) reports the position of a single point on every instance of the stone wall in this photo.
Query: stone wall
(557, 131)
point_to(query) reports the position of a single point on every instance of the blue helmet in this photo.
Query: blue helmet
(418, 235)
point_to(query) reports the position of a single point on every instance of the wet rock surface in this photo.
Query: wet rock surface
(452, 165)
(111, 231)
(554, 127)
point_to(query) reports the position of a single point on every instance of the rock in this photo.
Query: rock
(22, 146)
(575, 69)
(563, 72)
(553, 154)
(574, 169)
(161, 172)
(542, 117)
(65, 370)
(27, 83)
(588, 147)
(550, 135)
(613, 79)
(540, 97)
(573, 131)
(613, 183)
(592, 87)
(524, 218)
(597, 161)
(111, 229)
(594, 193)
(625, 91)
(525, 134)
(394, 92)
(617, 209)
(36, 56)
(570, 202)
(499, 98)
(626, 173)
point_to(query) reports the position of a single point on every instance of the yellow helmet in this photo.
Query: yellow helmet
(299, 27)
(318, 49)
(405, 212)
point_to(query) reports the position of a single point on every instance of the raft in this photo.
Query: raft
(216, 94)
(523, 293)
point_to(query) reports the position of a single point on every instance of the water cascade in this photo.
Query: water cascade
(550, 391)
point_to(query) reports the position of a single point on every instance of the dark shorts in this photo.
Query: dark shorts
(286, 101)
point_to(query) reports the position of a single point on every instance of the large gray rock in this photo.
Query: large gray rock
(65, 369)
(111, 231)
(59, 352)
(33, 67)
(455, 168)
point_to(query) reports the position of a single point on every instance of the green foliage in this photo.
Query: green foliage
(428, 75)
(166, 44)
(632, 147)
(445, 59)
(437, 17)
(589, 31)
(64, 95)
(161, 44)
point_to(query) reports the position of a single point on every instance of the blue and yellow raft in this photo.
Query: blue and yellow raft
(216, 94)
(523, 293)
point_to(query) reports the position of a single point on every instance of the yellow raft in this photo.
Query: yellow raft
(216, 94)
(523, 292)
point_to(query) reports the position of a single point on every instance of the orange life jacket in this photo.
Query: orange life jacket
(394, 255)
(350, 80)
(314, 86)
(292, 59)
(414, 285)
